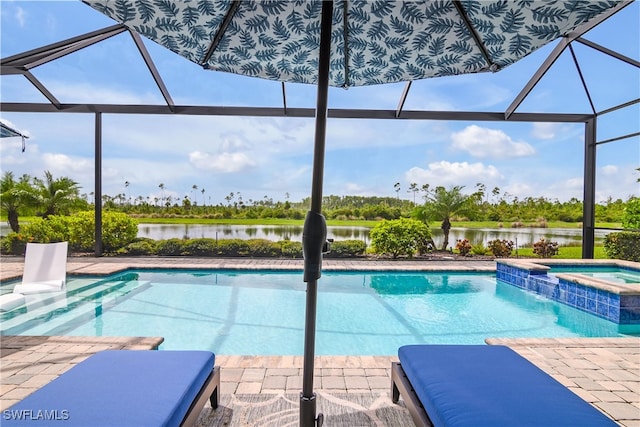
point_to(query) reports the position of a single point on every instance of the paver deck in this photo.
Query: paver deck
(11, 266)
(603, 371)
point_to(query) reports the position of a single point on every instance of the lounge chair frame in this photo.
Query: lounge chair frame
(210, 390)
(401, 386)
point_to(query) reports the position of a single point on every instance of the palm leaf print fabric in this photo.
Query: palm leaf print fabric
(383, 42)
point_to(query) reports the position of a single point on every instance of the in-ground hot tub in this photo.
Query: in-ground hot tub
(605, 288)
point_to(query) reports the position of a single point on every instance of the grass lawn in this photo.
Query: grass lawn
(567, 252)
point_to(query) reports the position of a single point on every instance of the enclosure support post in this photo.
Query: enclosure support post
(589, 197)
(98, 184)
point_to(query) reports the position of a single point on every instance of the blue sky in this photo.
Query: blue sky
(272, 156)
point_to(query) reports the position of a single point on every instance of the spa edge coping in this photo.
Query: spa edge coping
(542, 266)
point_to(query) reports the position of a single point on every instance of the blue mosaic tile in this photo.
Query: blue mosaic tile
(614, 299)
(630, 301)
(602, 310)
(603, 296)
(601, 303)
(564, 286)
(628, 316)
(634, 315)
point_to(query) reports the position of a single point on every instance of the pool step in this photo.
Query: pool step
(50, 312)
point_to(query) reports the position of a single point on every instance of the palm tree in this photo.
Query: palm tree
(194, 188)
(13, 196)
(161, 187)
(55, 196)
(126, 186)
(396, 187)
(413, 188)
(443, 204)
(204, 203)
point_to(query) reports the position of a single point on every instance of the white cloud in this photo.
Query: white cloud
(63, 164)
(457, 173)
(12, 154)
(223, 162)
(91, 93)
(482, 142)
(544, 130)
(610, 170)
(20, 16)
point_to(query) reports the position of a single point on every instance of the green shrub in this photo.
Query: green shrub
(631, 214)
(463, 246)
(171, 247)
(346, 248)
(398, 237)
(118, 230)
(233, 247)
(82, 232)
(545, 249)
(479, 249)
(14, 244)
(50, 230)
(290, 249)
(500, 248)
(140, 246)
(200, 247)
(623, 245)
(263, 248)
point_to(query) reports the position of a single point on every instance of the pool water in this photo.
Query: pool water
(611, 274)
(262, 312)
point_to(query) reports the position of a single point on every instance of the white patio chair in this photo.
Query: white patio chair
(45, 268)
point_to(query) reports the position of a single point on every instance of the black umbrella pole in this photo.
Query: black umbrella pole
(315, 228)
(308, 397)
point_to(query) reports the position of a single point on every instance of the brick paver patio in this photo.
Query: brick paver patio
(603, 371)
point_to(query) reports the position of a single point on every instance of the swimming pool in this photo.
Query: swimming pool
(262, 312)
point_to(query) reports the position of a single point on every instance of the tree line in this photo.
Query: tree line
(34, 196)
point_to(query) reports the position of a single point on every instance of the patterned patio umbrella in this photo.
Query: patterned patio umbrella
(346, 43)
(7, 130)
(372, 42)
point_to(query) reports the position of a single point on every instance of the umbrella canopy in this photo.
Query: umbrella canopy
(343, 44)
(372, 42)
(7, 130)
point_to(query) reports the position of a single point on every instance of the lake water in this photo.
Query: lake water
(520, 236)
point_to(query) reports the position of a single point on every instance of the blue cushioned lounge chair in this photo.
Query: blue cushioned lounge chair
(483, 385)
(124, 388)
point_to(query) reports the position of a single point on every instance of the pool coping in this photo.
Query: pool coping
(11, 266)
